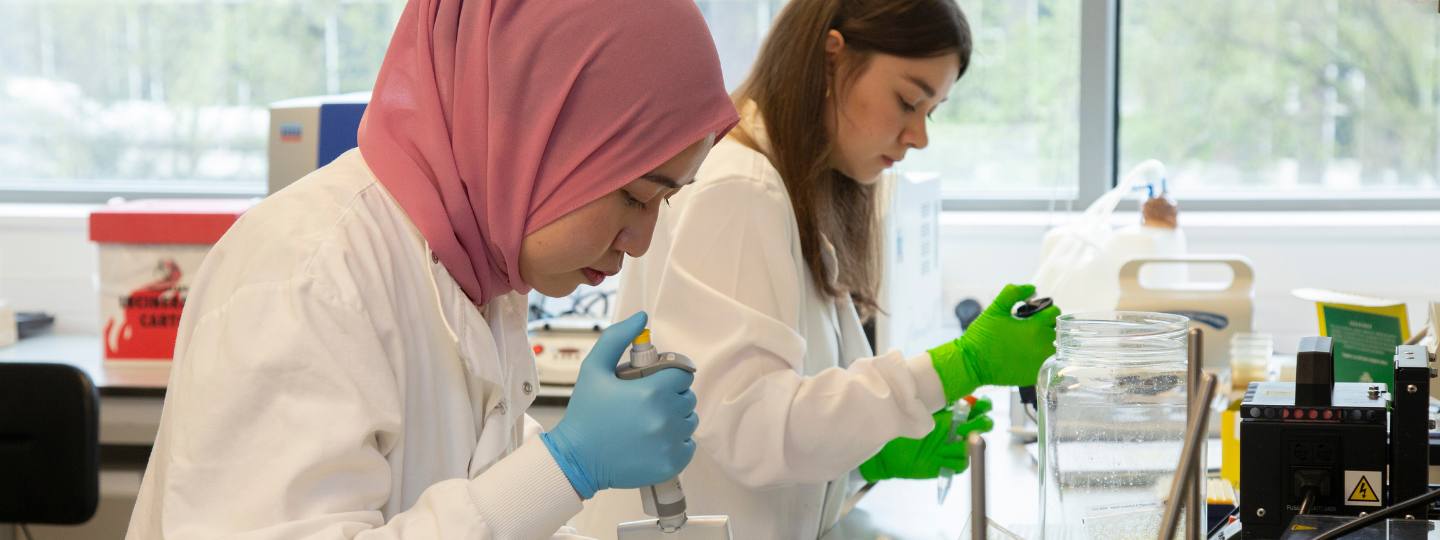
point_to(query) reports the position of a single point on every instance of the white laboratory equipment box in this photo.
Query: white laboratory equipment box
(308, 133)
(913, 315)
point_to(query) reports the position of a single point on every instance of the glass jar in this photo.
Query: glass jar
(1111, 423)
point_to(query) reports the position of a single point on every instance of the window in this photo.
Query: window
(1283, 98)
(1009, 129)
(1302, 101)
(168, 95)
(739, 28)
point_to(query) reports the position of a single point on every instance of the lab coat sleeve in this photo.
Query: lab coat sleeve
(729, 297)
(282, 409)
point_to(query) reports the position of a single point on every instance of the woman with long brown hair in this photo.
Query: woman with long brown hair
(763, 271)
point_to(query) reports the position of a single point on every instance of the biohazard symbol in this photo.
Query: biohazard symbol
(1363, 492)
(151, 315)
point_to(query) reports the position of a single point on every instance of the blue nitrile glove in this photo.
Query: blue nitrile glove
(997, 349)
(921, 459)
(619, 433)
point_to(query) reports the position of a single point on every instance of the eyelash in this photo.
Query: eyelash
(630, 200)
(908, 108)
(905, 106)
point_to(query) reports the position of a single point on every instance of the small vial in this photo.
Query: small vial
(959, 414)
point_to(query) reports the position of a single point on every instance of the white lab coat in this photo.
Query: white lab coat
(791, 400)
(332, 381)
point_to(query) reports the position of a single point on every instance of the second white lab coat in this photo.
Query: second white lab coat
(331, 381)
(791, 399)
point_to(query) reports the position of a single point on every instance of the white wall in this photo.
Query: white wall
(47, 262)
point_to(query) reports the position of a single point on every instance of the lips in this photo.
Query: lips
(594, 277)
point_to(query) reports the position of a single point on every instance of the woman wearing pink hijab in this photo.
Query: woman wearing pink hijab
(353, 360)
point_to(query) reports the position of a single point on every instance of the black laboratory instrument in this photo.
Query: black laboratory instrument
(1316, 454)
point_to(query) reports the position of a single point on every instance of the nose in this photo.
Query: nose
(915, 135)
(635, 237)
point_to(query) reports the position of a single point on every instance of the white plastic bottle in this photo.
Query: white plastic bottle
(1080, 261)
(1157, 235)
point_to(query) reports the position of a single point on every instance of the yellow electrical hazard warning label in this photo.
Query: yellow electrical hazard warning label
(1361, 488)
(1363, 492)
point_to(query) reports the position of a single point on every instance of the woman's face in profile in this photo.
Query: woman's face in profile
(590, 243)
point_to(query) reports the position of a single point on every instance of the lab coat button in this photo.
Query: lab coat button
(528, 388)
(435, 257)
(502, 407)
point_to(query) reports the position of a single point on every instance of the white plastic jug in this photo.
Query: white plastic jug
(1079, 261)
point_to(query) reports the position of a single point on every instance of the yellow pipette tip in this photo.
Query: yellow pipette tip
(643, 338)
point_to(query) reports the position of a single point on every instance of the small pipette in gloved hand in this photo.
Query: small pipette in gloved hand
(959, 414)
(960, 411)
(1023, 310)
(665, 501)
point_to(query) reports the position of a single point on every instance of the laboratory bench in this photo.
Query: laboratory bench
(132, 396)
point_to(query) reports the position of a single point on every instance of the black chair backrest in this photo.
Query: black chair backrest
(49, 444)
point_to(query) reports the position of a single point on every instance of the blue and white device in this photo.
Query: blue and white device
(308, 133)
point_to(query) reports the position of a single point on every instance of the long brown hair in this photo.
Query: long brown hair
(789, 84)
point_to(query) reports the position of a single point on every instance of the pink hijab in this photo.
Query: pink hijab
(493, 118)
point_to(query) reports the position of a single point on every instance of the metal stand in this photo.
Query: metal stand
(979, 523)
(1188, 475)
(1195, 365)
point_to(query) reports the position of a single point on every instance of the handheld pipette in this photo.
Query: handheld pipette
(665, 501)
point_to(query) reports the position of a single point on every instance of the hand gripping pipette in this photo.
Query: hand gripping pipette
(665, 501)
(961, 408)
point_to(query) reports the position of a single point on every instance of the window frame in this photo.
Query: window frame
(92, 194)
(1099, 125)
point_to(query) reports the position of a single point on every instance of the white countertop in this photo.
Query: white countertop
(127, 377)
(83, 351)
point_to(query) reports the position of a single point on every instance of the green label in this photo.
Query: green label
(1364, 345)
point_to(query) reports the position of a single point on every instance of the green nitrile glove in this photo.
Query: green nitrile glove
(997, 349)
(922, 459)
